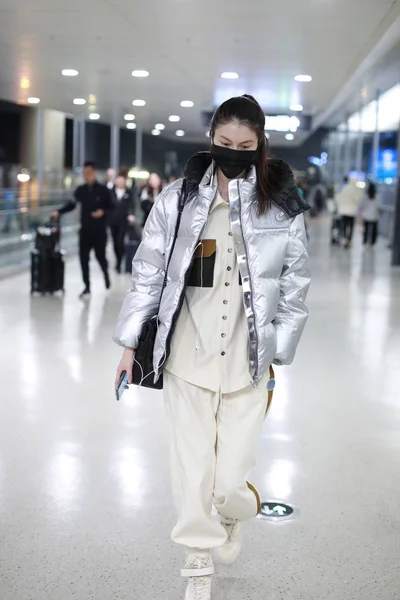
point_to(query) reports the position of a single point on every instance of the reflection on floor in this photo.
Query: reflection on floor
(85, 507)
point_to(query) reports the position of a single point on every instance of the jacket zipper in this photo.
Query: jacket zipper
(251, 283)
(180, 304)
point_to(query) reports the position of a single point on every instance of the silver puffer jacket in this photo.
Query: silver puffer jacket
(272, 259)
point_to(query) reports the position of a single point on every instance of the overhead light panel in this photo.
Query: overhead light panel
(303, 78)
(174, 119)
(180, 133)
(156, 132)
(69, 72)
(296, 107)
(94, 116)
(25, 83)
(33, 100)
(131, 125)
(160, 127)
(187, 104)
(129, 117)
(79, 101)
(139, 103)
(23, 177)
(140, 73)
(230, 75)
(289, 137)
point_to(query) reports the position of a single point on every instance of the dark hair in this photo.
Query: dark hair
(89, 164)
(246, 111)
(345, 179)
(371, 191)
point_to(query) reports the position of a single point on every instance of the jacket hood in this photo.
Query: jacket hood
(286, 195)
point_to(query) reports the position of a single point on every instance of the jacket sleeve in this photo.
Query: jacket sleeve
(148, 270)
(292, 313)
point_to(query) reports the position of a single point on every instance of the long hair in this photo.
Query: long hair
(246, 111)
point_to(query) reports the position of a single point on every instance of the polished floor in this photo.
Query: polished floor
(85, 506)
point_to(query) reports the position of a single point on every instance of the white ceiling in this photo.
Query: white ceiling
(185, 44)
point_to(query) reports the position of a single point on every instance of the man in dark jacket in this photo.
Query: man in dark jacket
(122, 214)
(95, 202)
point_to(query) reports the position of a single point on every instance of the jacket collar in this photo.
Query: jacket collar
(200, 177)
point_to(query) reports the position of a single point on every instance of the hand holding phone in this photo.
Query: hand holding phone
(122, 385)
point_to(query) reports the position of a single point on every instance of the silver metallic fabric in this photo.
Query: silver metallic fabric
(273, 263)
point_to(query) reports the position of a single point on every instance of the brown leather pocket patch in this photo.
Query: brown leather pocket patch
(202, 271)
(206, 248)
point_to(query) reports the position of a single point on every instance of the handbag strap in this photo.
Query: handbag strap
(181, 205)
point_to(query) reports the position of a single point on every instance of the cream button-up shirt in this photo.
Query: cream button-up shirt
(210, 343)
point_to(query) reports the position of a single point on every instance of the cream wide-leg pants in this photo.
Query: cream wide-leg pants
(214, 440)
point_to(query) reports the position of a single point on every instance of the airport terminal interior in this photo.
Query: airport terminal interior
(86, 502)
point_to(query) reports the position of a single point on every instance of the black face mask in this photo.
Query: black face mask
(233, 162)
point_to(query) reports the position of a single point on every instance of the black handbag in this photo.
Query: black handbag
(143, 369)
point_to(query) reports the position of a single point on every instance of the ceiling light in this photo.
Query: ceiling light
(129, 117)
(187, 104)
(289, 137)
(139, 73)
(69, 72)
(174, 119)
(160, 127)
(229, 75)
(303, 78)
(156, 132)
(180, 133)
(79, 101)
(94, 116)
(296, 107)
(139, 103)
(25, 83)
(131, 125)
(23, 177)
(33, 100)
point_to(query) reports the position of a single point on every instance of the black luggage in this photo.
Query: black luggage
(47, 237)
(47, 272)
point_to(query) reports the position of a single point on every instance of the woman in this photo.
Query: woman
(120, 216)
(370, 212)
(233, 305)
(149, 195)
(348, 201)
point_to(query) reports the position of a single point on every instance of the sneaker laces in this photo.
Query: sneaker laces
(201, 587)
(229, 525)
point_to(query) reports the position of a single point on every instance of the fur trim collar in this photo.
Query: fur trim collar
(287, 197)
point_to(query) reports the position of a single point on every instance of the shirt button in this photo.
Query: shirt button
(229, 269)
(230, 250)
(223, 353)
(225, 301)
(230, 234)
(223, 335)
(225, 318)
(226, 284)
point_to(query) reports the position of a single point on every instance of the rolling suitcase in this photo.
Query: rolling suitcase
(47, 271)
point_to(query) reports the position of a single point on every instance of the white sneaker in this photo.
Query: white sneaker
(229, 552)
(199, 571)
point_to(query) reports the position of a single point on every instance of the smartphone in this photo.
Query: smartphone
(123, 382)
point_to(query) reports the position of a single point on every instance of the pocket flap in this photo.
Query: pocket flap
(206, 248)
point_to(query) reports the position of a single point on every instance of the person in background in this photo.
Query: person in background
(369, 212)
(348, 200)
(110, 181)
(95, 202)
(122, 213)
(150, 194)
(233, 304)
